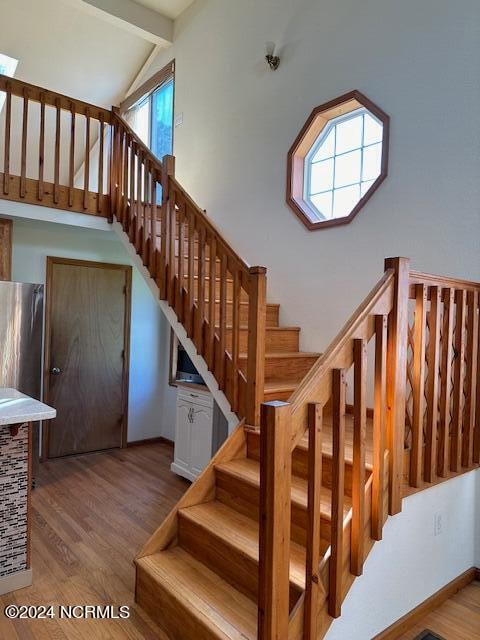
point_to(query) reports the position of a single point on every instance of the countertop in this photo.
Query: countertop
(16, 408)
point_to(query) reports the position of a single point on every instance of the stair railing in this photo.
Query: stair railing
(73, 156)
(422, 334)
(442, 432)
(219, 299)
(320, 403)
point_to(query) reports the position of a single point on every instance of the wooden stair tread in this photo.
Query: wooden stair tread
(248, 470)
(280, 355)
(244, 327)
(271, 386)
(225, 611)
(242, 533)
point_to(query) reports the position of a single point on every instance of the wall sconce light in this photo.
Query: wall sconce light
(272, 60)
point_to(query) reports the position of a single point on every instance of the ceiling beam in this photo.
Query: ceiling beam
(133, 17)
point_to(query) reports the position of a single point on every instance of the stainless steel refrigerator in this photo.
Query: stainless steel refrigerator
(21, 334)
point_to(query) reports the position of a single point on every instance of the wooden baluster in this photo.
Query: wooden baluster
(126, 165)
(235, 338)
(153, 224)
(172, 262)
(212, 297)
(433, 361)
(111, 167)
(396, 371)
(139, 205)
(476, 432)
(274, 544)
(179, 301)
(222, 343)
(6, 157)
(200, 312)
(191, 274)
(446, 390)
(314, 586)
(145, 250)
(338, 492)
(458, 382)
(133, 211)
(86, 179)
(418, 384)
(101, 135)
(71, 160)
(471, 379)
(168, 169)
(257, 321)
(23, 160)
(119, 173)
(379, 431)
(359, 441)
(41, 148)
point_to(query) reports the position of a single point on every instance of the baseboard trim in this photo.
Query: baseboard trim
(15, 581)
(410, 619)
(159, 440)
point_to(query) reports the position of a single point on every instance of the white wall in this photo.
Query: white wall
(411, 564)
(417, 60)
(151, 399)
(477, 524)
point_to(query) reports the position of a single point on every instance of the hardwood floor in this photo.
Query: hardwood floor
(456, 619)
(91, 514)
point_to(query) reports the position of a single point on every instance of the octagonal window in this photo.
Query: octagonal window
(337, 161)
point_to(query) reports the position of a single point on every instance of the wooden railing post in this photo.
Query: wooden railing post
(257, 311)
(396, 378)
(167, 234)
(274, 545)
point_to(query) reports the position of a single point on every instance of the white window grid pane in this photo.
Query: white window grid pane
(363, 185)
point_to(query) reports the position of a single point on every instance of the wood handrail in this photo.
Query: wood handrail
(187, 255)
(316, 387)
(417, 277)
(39, 94)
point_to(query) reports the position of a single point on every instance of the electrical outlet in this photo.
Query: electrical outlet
(437, 524)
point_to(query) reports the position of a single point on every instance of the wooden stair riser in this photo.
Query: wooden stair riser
(277, 339)
(219, 555)
(162, 597)
(285, 366)
(244, 497)
(272, 312)
(300, 463)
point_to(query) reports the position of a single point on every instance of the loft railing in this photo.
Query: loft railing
(67, 154)
(415, 338)
(55, 150)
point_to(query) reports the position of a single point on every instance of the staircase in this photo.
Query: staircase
(268, 540)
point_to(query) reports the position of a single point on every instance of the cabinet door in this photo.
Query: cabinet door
(182, 434)
(201, 438)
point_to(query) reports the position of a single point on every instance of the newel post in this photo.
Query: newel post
(257, 319)
(397, 346)
(274, 544)
(167, 242)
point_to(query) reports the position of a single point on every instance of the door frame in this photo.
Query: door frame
(127, 269)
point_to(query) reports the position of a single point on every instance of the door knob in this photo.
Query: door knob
(55, 371)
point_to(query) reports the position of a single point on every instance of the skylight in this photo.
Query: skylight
(7, 68)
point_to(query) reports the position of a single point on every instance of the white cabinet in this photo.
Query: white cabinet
(193, 433)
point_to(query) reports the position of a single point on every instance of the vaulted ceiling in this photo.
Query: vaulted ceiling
(66, 49)
(170, 8)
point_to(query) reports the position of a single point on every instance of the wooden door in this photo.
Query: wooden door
(86, 355)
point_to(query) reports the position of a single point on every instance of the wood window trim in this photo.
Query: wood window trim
(5, 249)
(310, 131)
(148, 86)
(51, 261)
